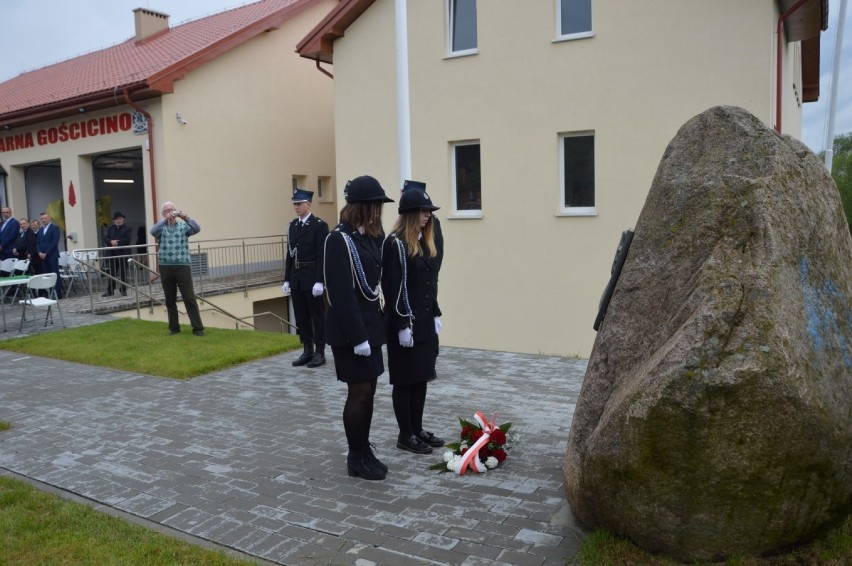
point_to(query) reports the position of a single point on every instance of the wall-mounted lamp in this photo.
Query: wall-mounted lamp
(180, 119)
(81, 110)
(122, 181)
(7, 127)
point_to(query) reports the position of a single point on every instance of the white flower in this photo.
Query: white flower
(448, 455)
(491, 462)
(454, 463)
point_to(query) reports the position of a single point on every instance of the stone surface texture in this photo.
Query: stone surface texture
(715, 417)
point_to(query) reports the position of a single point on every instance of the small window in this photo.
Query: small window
(574, 18)
(462, 26)
(467, 179)
(578, 173)
(299, 181)
(324, 192)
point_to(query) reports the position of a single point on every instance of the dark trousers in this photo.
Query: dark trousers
(174, 277)
(310, 316)
(118, 269)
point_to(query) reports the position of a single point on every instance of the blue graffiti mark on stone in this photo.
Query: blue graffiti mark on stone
(823, 326)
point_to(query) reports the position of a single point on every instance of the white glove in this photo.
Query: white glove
(285, 288)
(317, 290)
(438, 325)
(363, 349)
(406, 340)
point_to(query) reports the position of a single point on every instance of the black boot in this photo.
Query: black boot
(358, 464)
(319, 356)
(307, 355)
(376, 462)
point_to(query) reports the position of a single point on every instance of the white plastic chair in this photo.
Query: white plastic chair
(22, 267)
(43, 282)
(7, 267)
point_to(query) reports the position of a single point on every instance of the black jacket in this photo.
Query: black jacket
(305, 246)
(122, 234)
(422, 290)
(352, 317)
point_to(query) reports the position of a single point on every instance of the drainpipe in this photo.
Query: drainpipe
(403, 108)
(780, 35)
(323, 71)
(150, 151)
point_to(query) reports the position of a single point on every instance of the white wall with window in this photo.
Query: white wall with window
(573, 19)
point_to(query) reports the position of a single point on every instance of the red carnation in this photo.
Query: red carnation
(500, 454)
(465, 431)
(476, 435)
(498, 437)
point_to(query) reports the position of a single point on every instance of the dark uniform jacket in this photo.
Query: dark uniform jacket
(422, 286)
(351, 318)
(305, 253)
(26, 244)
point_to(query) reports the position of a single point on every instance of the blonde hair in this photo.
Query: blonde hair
(407, 229)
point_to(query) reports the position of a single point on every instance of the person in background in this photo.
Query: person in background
(25, 246)
(8, 233)
(354, 326)
(47, 246)
(410, 286)
(116, 237)
(172, 234)
(35, 260)
(303, 278)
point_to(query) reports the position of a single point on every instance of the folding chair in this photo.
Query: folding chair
(7, 267)
(43, 282)
(22, 267)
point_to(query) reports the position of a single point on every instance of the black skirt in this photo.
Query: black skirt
(352, 368)
(412, 365)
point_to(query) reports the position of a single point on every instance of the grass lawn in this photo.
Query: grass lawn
(143, 346)
(38, 528)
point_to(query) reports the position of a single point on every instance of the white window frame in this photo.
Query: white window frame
(449, 4)
(571, 36)
(456, 212)
(564, 209)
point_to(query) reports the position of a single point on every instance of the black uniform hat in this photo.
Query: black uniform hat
(365, 189)
(415, 185)
(415, 200)
(301, 195)
(117, 214)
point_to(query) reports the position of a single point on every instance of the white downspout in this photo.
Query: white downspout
(835, 80)
(403, 109)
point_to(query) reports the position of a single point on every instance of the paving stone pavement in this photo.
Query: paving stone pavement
(253, 458)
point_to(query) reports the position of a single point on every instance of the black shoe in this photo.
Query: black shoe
(413, 444)
(174, 332)
(307, 355)
(317, 361)
(198, 332)
(430, 439)
(124, 292)
(107, 294)
(359, 465)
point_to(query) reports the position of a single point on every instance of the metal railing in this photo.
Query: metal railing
(218, 267)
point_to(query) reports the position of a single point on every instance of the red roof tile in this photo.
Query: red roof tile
(149, 67)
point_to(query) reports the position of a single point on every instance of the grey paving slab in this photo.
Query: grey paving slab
(253, 458)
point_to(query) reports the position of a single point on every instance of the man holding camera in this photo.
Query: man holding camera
(303, 278)
(172, 234)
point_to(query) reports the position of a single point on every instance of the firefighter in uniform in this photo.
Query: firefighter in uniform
(303, 278)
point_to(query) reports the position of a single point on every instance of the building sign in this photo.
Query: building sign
(67, 132)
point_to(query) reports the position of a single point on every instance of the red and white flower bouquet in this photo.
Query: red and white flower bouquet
(483, 446)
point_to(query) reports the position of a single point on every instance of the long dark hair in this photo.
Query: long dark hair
(364, 214)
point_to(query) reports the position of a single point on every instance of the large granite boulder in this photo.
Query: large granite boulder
(715, 417)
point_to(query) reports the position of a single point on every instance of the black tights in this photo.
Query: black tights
(358, 413)
(408, 403)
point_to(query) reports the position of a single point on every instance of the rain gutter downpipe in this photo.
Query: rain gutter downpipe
(403, 108)
(780, 35)
(145, 113)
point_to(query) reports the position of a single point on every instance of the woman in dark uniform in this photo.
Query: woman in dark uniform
(354, 326)
(410, 284)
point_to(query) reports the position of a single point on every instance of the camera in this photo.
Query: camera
(176, 213)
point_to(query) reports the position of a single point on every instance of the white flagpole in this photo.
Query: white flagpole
(835, 80)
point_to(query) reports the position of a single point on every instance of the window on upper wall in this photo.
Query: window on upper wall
(467, 179)
(462, 36)
(577, 158)
(324, 193)
(573, 19)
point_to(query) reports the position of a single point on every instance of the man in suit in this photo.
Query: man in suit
(8, 233)
(47, 245)
(25, 245)
(116, 238)
(303, 278)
